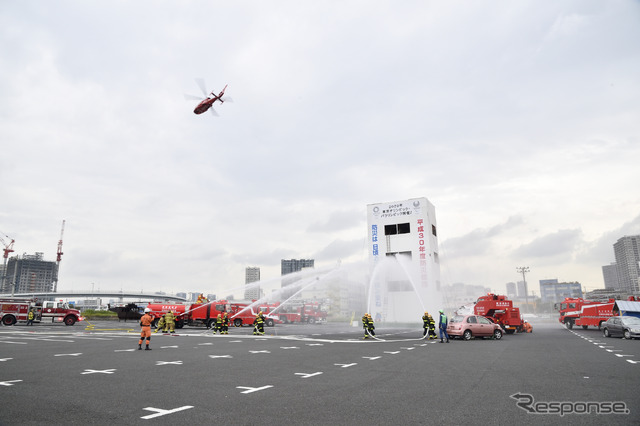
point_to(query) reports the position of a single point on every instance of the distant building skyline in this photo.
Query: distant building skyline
(627, 254)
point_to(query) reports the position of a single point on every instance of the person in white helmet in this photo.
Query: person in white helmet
(145, 323)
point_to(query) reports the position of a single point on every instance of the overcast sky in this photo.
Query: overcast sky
(518, 120)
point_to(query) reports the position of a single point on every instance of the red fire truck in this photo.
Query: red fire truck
(584, 312)
(300, 312)
(193, 314)
(242, 313)
(14, 310)
(501, 311)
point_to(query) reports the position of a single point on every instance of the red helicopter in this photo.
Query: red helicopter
(209, 100)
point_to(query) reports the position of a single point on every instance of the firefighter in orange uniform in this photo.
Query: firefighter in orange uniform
(145, 323)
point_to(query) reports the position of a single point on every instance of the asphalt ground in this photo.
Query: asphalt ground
(92, 373)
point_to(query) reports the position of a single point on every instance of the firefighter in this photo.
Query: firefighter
(30, 317)
(145, 324)
(527, 327)
(442, 324)
(370, 326)
(425, 324)
(160, 325)
(169, 322)
(218, 327)
(259, 324)
(365, 321)
(432, 328)
(225, 323)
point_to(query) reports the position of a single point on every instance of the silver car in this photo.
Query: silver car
(627, 327)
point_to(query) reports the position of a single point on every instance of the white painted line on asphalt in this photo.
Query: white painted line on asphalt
(9, 382)
(307, 375)
(621, 355)
(235, 341)
(289, 347)
(161, 412)
(409, 349)
(220, 356)
(347, 365)
(250, 390)
(204, 344)
(13, 343)
(602, 347)
(168, 347)
(315, 344)
(392, 353)
(260, 352)
(168, 362)
(78, 354)
(371, 357)
(632, 361)
(110, 371)
(613, 350)
(5, 359)
(124, 350)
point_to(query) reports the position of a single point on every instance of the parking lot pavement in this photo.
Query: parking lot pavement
(310, 374)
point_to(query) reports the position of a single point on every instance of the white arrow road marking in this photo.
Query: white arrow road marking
(392, 353)
(124, 350)
(260, 352)
(220, 356)
(161, 412)
(289, 347)
(110, 371)
(372, 357)
(347, 365)
(307, 375)
(249, 390)
(5, 359)
(168, 362)
(632, 361)
(621, 355)
(9, 382)
(69, 354)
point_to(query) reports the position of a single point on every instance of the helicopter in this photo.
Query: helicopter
(207, 103)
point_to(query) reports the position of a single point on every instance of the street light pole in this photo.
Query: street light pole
(523, 270)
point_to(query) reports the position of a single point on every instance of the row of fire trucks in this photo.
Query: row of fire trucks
(586, 313)
(14, 310)
(239, 312)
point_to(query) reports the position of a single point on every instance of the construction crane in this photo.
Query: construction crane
(8, 248)
(58, 259)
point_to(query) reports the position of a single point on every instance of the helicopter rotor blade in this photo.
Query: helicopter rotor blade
(214, 112)
(202, 86)
(227, 99)
(191, 97)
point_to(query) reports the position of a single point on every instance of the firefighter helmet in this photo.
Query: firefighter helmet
(147, 310)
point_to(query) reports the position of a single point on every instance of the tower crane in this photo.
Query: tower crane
(8, 248)
(58, 259)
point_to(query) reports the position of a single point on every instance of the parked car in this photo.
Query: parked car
(627, 327)
(469, 326)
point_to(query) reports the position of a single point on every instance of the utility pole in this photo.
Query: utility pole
(523, 270)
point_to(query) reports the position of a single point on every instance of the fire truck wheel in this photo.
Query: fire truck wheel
(237, 322)
(606, 332)
(312, 320)
(154, 323)
(212, 323)
(497, 334)
(70, 320)
(467, 335)
(8, 320)
(569, 324)
(584, 327)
